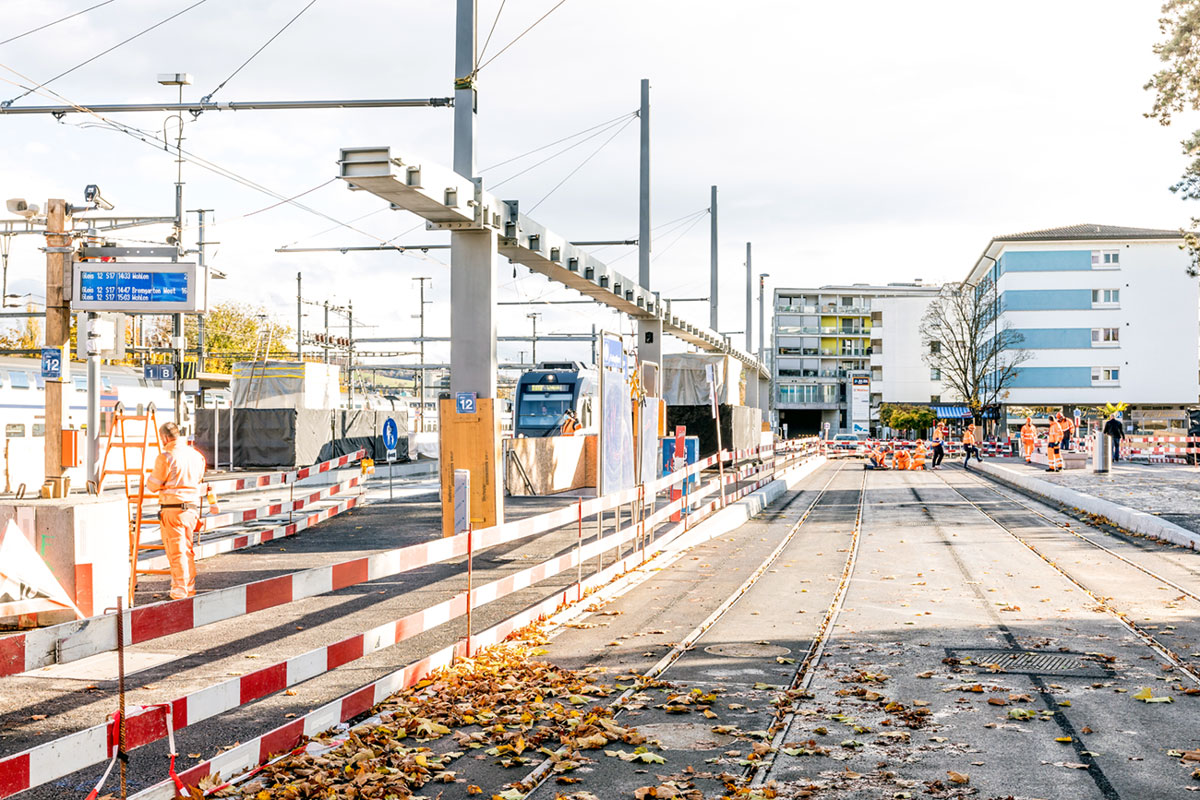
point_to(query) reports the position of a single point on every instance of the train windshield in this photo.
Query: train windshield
(544, 409)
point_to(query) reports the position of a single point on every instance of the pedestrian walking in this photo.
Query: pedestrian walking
(177, 478)
(1054, 446)
(939, 445)
(1068, 427)
(969, 445)
(1028, 439)
(1115, 431)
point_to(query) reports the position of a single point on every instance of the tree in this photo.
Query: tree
(1176, 89)
(230, 334)
(906, 418)
(964, 337)
(27, 336)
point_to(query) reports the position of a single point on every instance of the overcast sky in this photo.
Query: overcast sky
(852, 142)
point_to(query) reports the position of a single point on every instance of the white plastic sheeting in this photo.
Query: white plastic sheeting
(285, 384)
(685, 384)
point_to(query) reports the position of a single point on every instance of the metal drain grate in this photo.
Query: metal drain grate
(1031, 662)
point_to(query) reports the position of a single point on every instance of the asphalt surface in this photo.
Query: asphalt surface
(960, 662)
(939, 588)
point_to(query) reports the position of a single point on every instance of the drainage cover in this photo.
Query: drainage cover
(1032, 662)
(747, 650)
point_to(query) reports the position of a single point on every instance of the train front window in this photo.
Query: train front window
(544, 409)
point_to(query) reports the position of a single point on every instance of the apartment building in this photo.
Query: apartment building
(830, 364)
(1106, 313)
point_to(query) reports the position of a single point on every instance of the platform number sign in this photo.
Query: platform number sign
(51, 362)
(391, 435)
(158, 372)
(464, 402)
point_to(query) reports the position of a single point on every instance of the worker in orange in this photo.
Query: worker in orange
(570, 423)
(1068, 427)
(902, 458)
(918, 459)
(1054, 446)
(178, 478)
(1028, 439)
(969, 445)
(877, 458)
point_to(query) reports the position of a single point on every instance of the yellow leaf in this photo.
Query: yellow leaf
(958, 777)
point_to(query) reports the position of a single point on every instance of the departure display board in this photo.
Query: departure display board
(137, 287)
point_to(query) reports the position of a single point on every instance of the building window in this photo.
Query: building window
(1106, 259)
(1106, 297)
(1105, 376)
(14, 430)
(1106, 337)
(19, 380)
(935, 398)
(935, 374)
(39, 429)
(935, 347)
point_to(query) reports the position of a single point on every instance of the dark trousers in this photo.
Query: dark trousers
(939, 452)
(1116, 448)
(968, 451)
(1066, 440)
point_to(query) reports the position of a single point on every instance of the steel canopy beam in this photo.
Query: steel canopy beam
(255, 105)
(448, 201)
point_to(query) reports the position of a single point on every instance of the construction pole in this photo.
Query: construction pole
(178, 342)
(350, 355)
(92, 336)
(58, 335)
(326, 331)
(649, 343)
(202, 251)
(421, 373)
(712, 262)
(762, 319)
(533, 317)
(299, 333)
(749, 302)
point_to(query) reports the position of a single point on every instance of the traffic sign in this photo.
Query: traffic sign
(464, 402)
(391, 435)
(159, 372)
(51, 362)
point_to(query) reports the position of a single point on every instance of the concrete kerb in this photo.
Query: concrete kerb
(1128, 518)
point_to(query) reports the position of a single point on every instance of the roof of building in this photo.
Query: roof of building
(1090, 232)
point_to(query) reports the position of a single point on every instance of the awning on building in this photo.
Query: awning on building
(951, 412)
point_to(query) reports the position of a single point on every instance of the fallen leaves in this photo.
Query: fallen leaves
(1147, 696)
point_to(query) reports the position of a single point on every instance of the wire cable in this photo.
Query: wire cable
(52, 24)
(582, 164)
(520, 36)
(558, 141)
(695, 222)
(486, 41)
(28, 91)
(232, 75)
(609, 126)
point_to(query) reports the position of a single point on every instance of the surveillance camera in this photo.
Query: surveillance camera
(19, 206)
(91, 194)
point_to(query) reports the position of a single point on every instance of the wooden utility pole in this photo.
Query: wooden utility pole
(58, 335)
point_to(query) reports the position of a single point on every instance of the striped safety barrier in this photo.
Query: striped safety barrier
(230, 485)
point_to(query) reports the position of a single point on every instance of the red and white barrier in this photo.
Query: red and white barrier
(231, 485)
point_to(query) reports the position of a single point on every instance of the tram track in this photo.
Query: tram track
(1162, 650)
(537, 778)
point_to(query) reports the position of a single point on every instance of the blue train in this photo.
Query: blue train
(544, 395)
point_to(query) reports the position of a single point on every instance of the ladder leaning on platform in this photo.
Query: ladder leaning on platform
(147, 448)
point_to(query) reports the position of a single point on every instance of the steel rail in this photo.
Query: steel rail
(1163, 651)
(537, 777)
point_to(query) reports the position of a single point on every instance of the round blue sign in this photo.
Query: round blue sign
(391, 434)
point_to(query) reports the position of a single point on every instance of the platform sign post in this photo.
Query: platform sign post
(391, 436)
(52, 362)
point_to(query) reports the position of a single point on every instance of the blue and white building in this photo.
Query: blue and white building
(1108, 313)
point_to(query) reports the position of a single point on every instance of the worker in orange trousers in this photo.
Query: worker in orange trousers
(1028, 439)
(918, 459)
(1054, 447)
(178, 478)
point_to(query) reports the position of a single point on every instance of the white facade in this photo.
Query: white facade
(1112, 318)
(899, 373)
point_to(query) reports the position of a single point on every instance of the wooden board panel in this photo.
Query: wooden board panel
(471, 442)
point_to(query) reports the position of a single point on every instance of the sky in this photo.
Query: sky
(860, 142)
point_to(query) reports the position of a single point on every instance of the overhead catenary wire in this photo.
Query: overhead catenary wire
(520, 36)
(55, 22)
(604, 124)
(42, 85)
(582, 164)
(255, 54)
(675, 241)
(608, 126)
(487, 41)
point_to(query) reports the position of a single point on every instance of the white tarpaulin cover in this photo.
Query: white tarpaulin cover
(684, 382)
(285, 384)
(27, 586)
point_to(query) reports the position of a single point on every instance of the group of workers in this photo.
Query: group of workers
(1058, 438)
(883, 456)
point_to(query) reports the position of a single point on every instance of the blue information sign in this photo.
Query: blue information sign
(159, 372)
(391, 434)
(51, 362)
(464, 402)
(105, 286)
